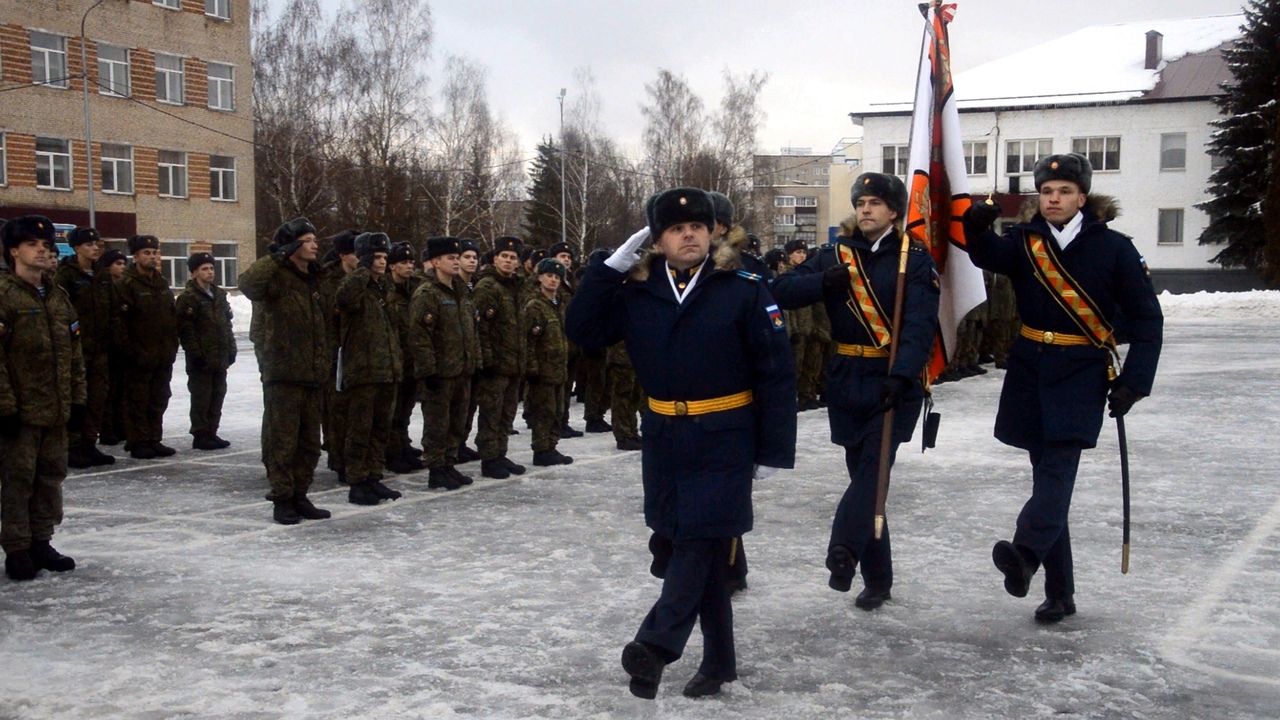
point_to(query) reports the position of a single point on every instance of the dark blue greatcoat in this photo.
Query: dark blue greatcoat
(1055, 394)
(726, 337)
(855, 384)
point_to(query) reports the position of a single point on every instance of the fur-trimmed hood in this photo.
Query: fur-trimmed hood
(849, 226)
(724, 256)
(1103, 207)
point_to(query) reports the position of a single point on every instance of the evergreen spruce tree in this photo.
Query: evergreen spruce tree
(542, 212)
(1246, 141)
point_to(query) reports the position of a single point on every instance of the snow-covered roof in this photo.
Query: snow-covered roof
(1106, 61)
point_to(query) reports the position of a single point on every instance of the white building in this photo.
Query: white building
(1137, 98)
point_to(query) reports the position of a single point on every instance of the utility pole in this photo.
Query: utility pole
(88, 132)
(564, 224)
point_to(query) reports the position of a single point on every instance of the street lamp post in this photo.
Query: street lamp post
(88, 132)
(564, 224)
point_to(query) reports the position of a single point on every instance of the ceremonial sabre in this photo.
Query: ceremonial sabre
(1124, 491)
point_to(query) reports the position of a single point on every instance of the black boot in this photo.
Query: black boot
(205, 442)
(494, 468)
(546, 458)
(513, 467)
(841, 563)
(44, 557)
(220, 442)
(598, 426)
(18, 565)
(701, 686)
(439, 477)
(162, 450)
(568, 432)
(644, 664)
(362, 493)
(1018, 564)
(77, 459)
(96, 456)
(1052, 610)
(466, 454)
(630, 444)
(457, 476)
(108, 439)
(285, 513)
(142, 450)
(400, 465)
(872, 598)
(307, 509)
(384, 492)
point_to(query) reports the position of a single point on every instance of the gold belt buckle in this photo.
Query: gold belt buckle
(859, 351)
(1048, 338)
(682, 408)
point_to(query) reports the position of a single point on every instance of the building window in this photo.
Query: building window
(220, 9)
(226, 264)
(896, 160)
(1021, 155)
(1103, 152)
(48, 59)
(171, 4)
(173, 257)
(1173, 151)
(806, 202)
(222, 87)
(4, 156)
(784, 219)
(53, 164)
(781, 239)
(113, 70)
(117, 169)
(173, 174)
(222, 177)
(169, 78)
(807, 237)
(975, 158)
(784, 201)
(1170, 230)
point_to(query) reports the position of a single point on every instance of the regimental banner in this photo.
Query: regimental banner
(939, 184)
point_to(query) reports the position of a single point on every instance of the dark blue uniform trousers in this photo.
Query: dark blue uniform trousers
(1042, 524)
(854, 524)
(695, 588)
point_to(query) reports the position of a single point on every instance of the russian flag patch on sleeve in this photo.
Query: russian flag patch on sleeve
(775, 317)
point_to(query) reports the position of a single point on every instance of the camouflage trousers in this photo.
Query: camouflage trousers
(810, 375)
(32, 468)
(473, 405)
(334, 421)
(146, 397)
(594, 381)
(968, 338)
(998, 338)
(369, 409)
(112, 418)
(208, 389)
(543, 402)
(799, 345)
(401, 416)
(291, 437)
(627, 399)
(97, 377)
(498, 397)
(444, 418)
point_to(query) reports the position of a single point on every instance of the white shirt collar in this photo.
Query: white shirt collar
(682, 294)
(1068, 232)
(876, 245)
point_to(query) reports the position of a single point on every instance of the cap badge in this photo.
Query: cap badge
(684, 201)
(1053, 165)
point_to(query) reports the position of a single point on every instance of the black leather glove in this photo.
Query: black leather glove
(895, 388)
(287, 251)
(10, 425)
(835, 280)
(1120, 399)
(979, 218)
(75, 422)
(432, 383)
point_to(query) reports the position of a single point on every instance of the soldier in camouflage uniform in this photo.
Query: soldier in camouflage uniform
(108, 271)
(370, 369)
(562, 253)
(145, 323)
(295, 366)
(628, 398)
(335, 410)
(401, 456)
(964, 361)
(204, 329)
(468, 265)
(42, 397)
(91, 296)
(816, 354)
(546, 363)
(501, 358)
(442, 333)
(799, 325)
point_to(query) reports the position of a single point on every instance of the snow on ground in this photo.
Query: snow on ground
(513, 599)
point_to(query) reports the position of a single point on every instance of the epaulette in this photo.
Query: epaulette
(918, 246)
(748, 275)
(827, 246)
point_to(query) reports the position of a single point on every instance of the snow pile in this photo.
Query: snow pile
(241, 311)
(1252, 305)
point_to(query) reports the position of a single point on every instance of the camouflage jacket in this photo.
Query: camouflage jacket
(91, 296)
(204, 328)
(295, 338)
(799, 321)
(821, 322)
(331, 276)
(501, 346)
(547, 355)
(442, 330)
(399, 295)
(41, 366)
(369, 343)
(144, 320)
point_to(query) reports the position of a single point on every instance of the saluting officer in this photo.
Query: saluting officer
(145, 322)
(1072, 276)
(204, 328)
(857, 280)
(501, 353)
(710, 351)
(91, 295)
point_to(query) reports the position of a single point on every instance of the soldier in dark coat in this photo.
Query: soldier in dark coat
(860, 270)
(92, 300)
(1072, 276)
(710, 350)
(204, 329)
(369, 369)
(401, 455)
(501, 356)
(295, 369)
(42, 396)
(145, 322)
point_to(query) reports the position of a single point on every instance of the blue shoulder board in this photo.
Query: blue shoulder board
(748, 275)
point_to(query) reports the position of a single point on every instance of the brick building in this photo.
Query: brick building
(171, 114)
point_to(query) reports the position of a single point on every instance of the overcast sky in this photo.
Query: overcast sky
(821, 55)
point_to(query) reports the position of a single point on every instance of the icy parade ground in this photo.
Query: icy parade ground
(513, 598)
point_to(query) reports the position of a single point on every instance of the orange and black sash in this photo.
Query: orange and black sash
(1066, 291)
(862, 300)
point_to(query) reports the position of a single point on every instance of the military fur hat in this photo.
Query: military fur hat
(507, 243)
(487, 258)
(793, 245)
(1072, 167)
(82, 235)
(467, 244)
(344, 243)
(138, 243)
(678, 205)
(27, 227)
(537, 255)
(108, 258)
(886, 187)
(774, 258)
(561, 247)
(400, 252)
(369, 243)
(437, 246)
(753, 242)
(198, 259)
(292, 230)
(551, 265)
(724, 208)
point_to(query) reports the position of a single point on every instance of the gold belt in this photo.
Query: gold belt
(681, 408)
(870, 351)
(1053, 338)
